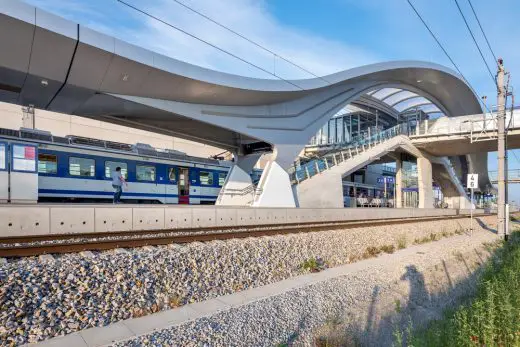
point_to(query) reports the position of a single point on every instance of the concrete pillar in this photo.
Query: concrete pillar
(238, 189)
(274, 188)
(424, 181)
(398, 183)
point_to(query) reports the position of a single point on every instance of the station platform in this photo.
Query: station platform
(56, 219)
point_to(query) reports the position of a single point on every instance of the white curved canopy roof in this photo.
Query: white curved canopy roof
(58, 65)
(404, 100)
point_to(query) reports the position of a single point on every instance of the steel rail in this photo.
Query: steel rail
(9, 247)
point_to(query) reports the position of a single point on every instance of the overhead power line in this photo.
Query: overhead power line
(475, 41)
(436, 40)
(206, 42)
(514, 154)
(481, 29)
(249, 40)
(444, 50)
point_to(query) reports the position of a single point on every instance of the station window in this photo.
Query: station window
(47, 164)
(145, 173)
(221, 179)
(82, 167)
(206, 178)
(172, 174)
(110, 166)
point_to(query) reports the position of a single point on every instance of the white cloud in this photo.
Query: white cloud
(248, 17)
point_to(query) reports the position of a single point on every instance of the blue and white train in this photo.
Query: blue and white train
(79, 169)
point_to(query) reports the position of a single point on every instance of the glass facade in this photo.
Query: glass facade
(344, 128)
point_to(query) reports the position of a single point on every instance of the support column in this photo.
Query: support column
(398, 183)
(424, 182)
(238, 189)
(274, 188)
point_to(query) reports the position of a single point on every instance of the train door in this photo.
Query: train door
(172, 191)
(23, 173)
(183, 185)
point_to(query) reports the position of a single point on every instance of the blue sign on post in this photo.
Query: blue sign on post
(387, 178)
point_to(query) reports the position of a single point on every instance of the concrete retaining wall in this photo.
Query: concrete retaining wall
(75, 219)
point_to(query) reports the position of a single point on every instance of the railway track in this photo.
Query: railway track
(67, 243)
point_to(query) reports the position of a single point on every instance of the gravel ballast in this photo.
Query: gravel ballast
(360, 307)
(40, 299)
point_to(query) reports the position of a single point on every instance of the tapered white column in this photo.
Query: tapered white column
(398, 183)
(424, 182)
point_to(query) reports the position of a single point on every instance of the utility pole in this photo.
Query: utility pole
(502, 154)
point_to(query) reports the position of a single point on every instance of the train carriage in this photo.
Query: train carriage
(79, 169)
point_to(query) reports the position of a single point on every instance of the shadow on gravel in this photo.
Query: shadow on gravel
(418, 299)
(485, 226)
(422, 306)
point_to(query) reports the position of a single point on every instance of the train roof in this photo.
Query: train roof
(91, 143)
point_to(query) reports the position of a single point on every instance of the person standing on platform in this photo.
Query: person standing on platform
(117, 182)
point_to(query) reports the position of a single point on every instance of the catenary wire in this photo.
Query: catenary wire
(444, 50)
(206, 42)
(249, 40)
(435, 38)
(512, 151)
(475, 41)
(483, 33)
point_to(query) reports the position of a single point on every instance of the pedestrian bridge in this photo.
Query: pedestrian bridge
(513, 176)
(430, 141)
(450, 136)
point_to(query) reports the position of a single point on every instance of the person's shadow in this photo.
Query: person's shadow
(418, 296)
(379, 330)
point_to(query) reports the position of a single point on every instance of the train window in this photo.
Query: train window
(145, 173)
(221, 179)
(82, 167)
(110, 166)
(24, 158)
(172, 174)
(47, 164)
(2, 156)
(206, 178)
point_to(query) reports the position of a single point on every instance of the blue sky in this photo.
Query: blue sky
(323, 36)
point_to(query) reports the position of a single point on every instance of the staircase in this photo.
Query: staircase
(318, 183)
(343, 153)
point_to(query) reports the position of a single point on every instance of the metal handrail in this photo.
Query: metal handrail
(341, 153)
(243, 191)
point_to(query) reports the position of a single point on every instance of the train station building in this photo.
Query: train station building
(346, 139)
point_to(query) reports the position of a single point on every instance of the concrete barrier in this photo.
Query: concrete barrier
(18, 221)
(78, 219)
(72, 220)
(113, 219)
